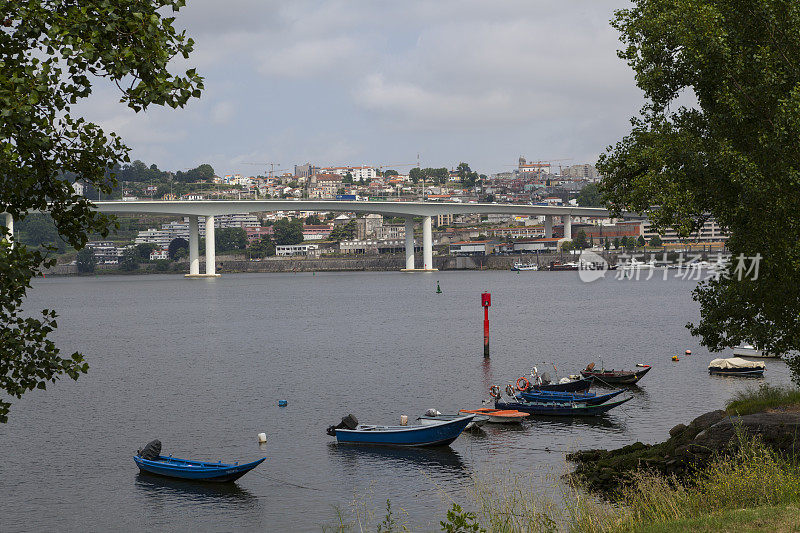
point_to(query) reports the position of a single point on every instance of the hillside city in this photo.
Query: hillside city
(307, 234)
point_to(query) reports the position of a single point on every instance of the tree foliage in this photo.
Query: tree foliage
(590, 196)
(286, 231)
(230, 239)
(51, 55)
(262, 247)
(344, 232)
(436, 175)
(175, 245)
(732, 156)
(580, 242)
(86, 261)
(466, 176)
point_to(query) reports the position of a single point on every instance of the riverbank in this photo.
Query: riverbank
(373, 263)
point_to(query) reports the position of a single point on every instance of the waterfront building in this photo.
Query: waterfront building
(291, 250)
(105, 252)
(549, 244)
(524, 232)
(474, 247)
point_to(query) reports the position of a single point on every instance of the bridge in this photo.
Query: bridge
(407, 210)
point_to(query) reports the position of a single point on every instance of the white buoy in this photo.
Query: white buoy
(262, 438)
(403, 420)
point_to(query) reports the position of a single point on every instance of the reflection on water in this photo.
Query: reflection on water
(442, 459)
(163, 488)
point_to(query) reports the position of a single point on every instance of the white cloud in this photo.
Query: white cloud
(223, 112)
(308, 58)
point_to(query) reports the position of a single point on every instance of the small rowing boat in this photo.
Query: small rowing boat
(561, 408)
(616, 377)
(498, 416)
(428, 419)
(589, 397)
(433, 434)
(150, 461)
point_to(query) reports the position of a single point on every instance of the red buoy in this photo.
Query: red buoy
(486, 303)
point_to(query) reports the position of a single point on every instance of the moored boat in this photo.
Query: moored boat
(150, 460)
(434, 434)
(736, 366)
(498, 416)
(748, 350)
(564, 397)
(560, 408)
(432, 416)
(616, 377)
(519, 266)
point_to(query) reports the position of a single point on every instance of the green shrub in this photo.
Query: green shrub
(763, 398)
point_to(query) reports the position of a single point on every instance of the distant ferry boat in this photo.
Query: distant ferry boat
(519, 266)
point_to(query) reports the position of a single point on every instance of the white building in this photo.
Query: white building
(106, 252)
(288, 250)
(159, 237)
(359, 173)
(155, 255)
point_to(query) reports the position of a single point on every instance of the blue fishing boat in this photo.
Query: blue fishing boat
(589, 397)
(551, 408)
(432, 434)
(149, 460)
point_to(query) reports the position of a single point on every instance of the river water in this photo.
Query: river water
(200, 365)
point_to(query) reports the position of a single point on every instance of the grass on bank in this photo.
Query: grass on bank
(765, 397)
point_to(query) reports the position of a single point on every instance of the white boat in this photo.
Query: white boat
(748, 350)
(430, 419)
(635, 265)
(520, 266)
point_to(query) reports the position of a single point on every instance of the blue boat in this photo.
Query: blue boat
(149, 460)
(589, 397)
(195, 470)
(432, 434)
(556, 408)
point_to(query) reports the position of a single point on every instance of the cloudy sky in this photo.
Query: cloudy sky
(378, 82)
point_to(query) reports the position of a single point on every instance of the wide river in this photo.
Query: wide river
(201, 364)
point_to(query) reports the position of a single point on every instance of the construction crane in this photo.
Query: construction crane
(271, 166)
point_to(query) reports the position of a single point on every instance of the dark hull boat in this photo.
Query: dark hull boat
(735, 366)
(577, 385)
(564, 397)
(576, 408)
(194, 470)
(615, 377)
(433, 434)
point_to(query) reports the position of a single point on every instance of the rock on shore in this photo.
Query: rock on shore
(688, 447)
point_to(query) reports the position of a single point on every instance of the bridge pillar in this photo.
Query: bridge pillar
(567, 227)
(427, 245)
(211, 260)
(409, 243)
(548, 226)
(10, 226)
(194, 247)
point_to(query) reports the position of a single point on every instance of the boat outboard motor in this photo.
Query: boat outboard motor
(348, 422)
(151, 451)
(546, 379)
